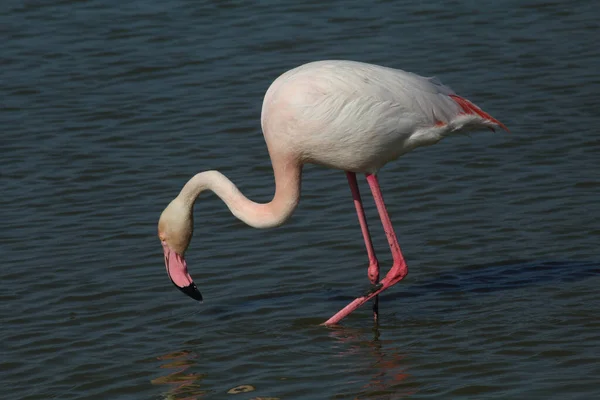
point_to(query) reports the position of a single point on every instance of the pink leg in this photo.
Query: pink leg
(373, 270)
(398, 270)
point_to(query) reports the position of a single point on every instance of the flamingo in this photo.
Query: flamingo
(346, 115)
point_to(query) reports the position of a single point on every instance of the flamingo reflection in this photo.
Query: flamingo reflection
(185, 386)
(388, 378)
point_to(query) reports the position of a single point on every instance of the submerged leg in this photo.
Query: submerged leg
(399, 268)
(373, 270)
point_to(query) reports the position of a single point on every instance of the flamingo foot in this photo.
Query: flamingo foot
(396, 274)
(373, 289)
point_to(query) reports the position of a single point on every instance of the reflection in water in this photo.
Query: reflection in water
(185, 386)
(387, 368)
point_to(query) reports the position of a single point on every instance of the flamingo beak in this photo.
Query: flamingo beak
(178, 273)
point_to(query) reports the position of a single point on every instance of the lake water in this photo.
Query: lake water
(108, 108)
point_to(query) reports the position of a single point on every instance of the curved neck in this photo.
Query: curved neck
(268, 215)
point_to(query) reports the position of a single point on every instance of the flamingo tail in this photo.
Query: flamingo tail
(470, 108)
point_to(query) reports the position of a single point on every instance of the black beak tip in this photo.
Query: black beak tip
(192, 291)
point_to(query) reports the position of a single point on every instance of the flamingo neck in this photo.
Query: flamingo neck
(258, 215)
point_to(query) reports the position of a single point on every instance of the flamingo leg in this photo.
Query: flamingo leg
(373, 270)
(399, 268)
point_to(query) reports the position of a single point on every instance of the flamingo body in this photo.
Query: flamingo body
(346, 115)
(358, 117)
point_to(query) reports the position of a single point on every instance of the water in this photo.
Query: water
(109, 107)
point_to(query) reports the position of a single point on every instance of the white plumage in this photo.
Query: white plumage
(357, 116)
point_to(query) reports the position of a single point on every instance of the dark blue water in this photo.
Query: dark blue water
(107, 108)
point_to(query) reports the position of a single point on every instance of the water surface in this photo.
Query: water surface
(109, 107)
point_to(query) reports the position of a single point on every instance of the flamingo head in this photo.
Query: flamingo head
(175, 229)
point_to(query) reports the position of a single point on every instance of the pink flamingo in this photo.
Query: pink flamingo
(346, 115)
